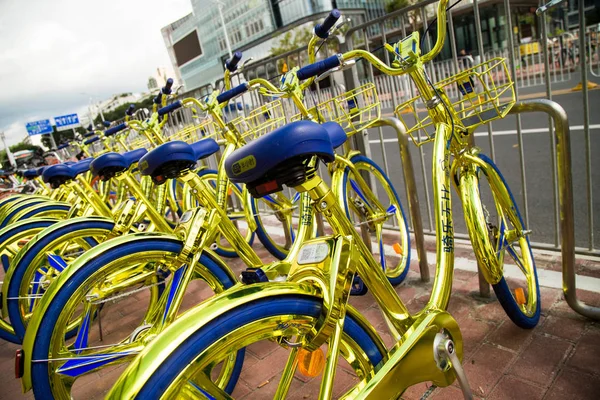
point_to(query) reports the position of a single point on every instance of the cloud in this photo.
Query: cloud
(56, 54)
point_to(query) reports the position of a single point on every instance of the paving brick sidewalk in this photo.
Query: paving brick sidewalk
(559, 359)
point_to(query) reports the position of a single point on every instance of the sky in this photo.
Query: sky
(56, 54)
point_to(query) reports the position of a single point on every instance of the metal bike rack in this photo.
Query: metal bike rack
(411, 192)
(565, 196)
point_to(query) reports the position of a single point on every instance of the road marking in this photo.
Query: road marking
(505, 133)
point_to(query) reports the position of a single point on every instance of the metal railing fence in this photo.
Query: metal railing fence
(525, 152)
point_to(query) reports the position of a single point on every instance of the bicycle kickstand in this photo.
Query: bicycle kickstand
(445, 355)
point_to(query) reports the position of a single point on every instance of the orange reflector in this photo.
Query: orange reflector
(520, 296)
(229, 191)
(23, 242)
(311, 363)
(398, 249)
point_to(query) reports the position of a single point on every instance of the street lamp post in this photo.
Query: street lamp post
(220, 6)
(11, 159)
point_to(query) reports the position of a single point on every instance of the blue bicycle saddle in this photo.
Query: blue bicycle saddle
(169, 159)
(58, 174)
(31, 173)
(108, 165)
(337, 136)
(279, 157)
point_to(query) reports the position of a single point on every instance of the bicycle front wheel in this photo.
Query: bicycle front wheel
(496, 231)
(371, 214)
(189, 369)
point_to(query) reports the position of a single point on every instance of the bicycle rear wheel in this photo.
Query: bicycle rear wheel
(388, 212)
(189, 368)
(235, 212)
(12, 240)
(276, 226)
(120, 269)
(496, 231)
(32, 271)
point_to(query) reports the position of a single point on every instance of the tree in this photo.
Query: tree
(413, 16)
(18, 147)
(296, 38)
(119, 112)
(393, 5)
(291, 40)
(59, 137)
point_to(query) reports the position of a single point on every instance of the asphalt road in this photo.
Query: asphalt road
(537, 163)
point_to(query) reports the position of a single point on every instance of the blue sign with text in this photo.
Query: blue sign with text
(66, 120)
(39, 127)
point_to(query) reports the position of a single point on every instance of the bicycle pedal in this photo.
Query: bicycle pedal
(358, 287)
(254, 275)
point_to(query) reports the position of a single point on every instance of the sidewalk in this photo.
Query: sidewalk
(559, 359)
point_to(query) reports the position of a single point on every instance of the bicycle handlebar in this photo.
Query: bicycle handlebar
(88, 134)
(441, 32)
(170, 108)
(319, 67)
(106, 123)
(231, 93)
(115, 129)
(130, 110)
(322, 30)
(232, 63)
(164, 90)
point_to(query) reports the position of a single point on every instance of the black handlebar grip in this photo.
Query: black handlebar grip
(115, 129)
(231, 64)
(106, 123)
(88, 134)
(130, 110)
(90, 128)
(170, 108)
(63, 146)
(231, 93)
(318, 68)
(322, 30)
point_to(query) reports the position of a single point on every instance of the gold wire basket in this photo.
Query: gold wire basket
(194, 132)
(261, 120)
(486, 93)
(354, 110)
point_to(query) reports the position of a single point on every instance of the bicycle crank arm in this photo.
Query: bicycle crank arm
(416, 351)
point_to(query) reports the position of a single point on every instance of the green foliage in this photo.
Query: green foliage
(296, 38)
(119, 112)
(59, 137)
(291, 40)
(393, 5)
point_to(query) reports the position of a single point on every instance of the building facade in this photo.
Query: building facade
(197, 45)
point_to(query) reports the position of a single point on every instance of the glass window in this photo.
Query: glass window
(187, 48)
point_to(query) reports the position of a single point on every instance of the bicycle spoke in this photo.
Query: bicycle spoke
(202, 388)
(76, 365)
(37, 280)
(379, 238)
(359, 192)
(84, 328)
(518, 260)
